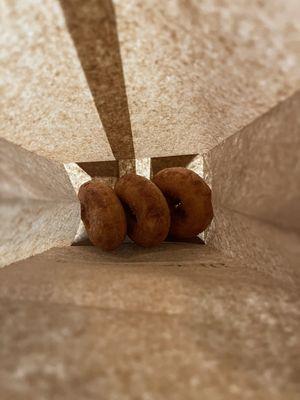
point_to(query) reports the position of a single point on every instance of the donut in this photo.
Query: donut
(147, 212)
(189, 200)
(102, 214)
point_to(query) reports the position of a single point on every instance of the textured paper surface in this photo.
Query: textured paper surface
(46, 104)
(166, 78)
(38, 206)
(109, 84)
(198, 71)
(149, 322)
(255, 176)
(92, 26)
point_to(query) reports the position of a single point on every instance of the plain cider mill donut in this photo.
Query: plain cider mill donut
(102, 214)
(147, 212)
(189, 199)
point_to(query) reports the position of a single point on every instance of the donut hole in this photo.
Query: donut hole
(176, 206)
(131, 217)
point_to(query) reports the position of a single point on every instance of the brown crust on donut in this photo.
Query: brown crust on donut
(189, 200)
(147, 212)
(102, 214)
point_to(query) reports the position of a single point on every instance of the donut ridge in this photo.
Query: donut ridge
(102, 214)
(147, 212)
(189, 200)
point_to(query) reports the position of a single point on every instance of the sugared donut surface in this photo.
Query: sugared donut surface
(189, 200)
(102, 214)
(148, 216)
